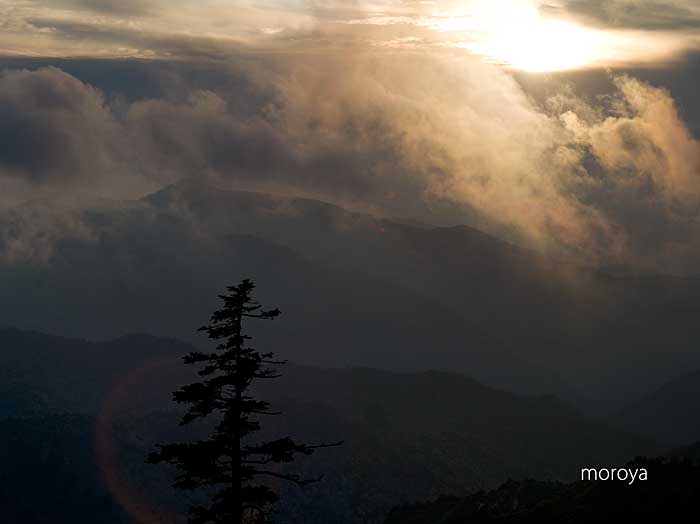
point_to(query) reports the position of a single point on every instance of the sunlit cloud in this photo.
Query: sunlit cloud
(391, 105)
(523, 38)
(657, 15)
(532, 35)
(524, 35)
(92, 28)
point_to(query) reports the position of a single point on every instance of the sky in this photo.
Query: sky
(567, 125)
(534, 35)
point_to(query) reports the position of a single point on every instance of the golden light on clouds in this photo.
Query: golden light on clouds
(543, 46)
(515, 33)
(392, 106)
(528, 35)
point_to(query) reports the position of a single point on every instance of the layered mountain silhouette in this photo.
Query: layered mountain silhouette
(668, 414)
(50, 473)
(356, 290)
(43, 374)
(97, 408)
(416, 436)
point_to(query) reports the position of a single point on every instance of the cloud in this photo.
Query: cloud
(53, 126)
(201, 135)
(368, 105)
(156, 28)
(58, 132)
(647, 178)
(124, 7)
(436, 138)
(499, 30)
(615, 182)
(631, 14)
(30, 233)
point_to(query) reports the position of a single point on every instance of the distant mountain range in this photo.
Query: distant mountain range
(50, 473)
(84, 415)
(355, 290)
(669, 414)
(416, 436)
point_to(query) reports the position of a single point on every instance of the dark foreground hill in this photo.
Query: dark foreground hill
(409, 436)
(669, 495)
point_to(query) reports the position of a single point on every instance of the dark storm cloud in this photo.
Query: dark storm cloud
(631, 14)
(231, 122)
(52, 126)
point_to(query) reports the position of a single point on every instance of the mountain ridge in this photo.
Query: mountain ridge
(541, 325)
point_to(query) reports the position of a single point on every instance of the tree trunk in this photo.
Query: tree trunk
(236, 437)
(236, 466)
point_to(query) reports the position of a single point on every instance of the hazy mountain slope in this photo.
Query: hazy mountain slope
(164, 278)
(407, 297)
(42, 374)
(669, 414)
(415, 436)
(611, 334)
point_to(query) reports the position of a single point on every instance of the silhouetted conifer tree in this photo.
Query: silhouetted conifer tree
(229, 463)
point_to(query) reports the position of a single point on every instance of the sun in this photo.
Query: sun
(543, 45)
(516, 34)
